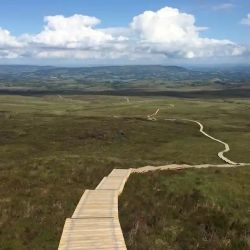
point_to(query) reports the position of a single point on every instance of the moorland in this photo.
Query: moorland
(56, 144)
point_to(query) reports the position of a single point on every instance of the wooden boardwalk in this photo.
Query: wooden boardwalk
(95, 222)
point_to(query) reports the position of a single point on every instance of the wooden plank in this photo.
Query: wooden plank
(95, 224)
(120, 172)
(112, 183)
(92, 233)
(97, 203)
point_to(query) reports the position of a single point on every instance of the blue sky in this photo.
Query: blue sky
(223, 20)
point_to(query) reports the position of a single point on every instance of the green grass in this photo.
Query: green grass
(191, 209)
(54, 147)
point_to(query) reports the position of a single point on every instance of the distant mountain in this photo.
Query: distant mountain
(88, 75)
(18, 69)
(107, 71)
(118, 77)
(32, 68)
(115, 73)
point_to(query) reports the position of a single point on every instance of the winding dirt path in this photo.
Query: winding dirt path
(127, 99)
(220, 154)
(177, 167)
(152, 117)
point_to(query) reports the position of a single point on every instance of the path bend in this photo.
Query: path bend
(95, 222)
(220, 154)
(226, 145)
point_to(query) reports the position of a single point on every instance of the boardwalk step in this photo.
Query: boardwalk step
(92, 233)
(97, 203)
(120, 172)
(112, 183)
(94, 224)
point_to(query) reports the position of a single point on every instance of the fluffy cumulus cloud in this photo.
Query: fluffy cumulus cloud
(175, 34)
(71, 32)
(163, 33)
(73, 37)
(9, 46)
(246, 20)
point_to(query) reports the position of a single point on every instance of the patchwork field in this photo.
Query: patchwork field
(54, 147)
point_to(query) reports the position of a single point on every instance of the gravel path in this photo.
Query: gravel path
(220, 154)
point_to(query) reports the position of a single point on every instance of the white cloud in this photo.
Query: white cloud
(9, 46)
(163, 33)
(246, 20)
(164, 26)
(6, 40)
(175, 34)
(75, 37)
(224, 6)
(71, 32)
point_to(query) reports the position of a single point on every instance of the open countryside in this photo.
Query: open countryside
(124, 125)
(72, 130)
